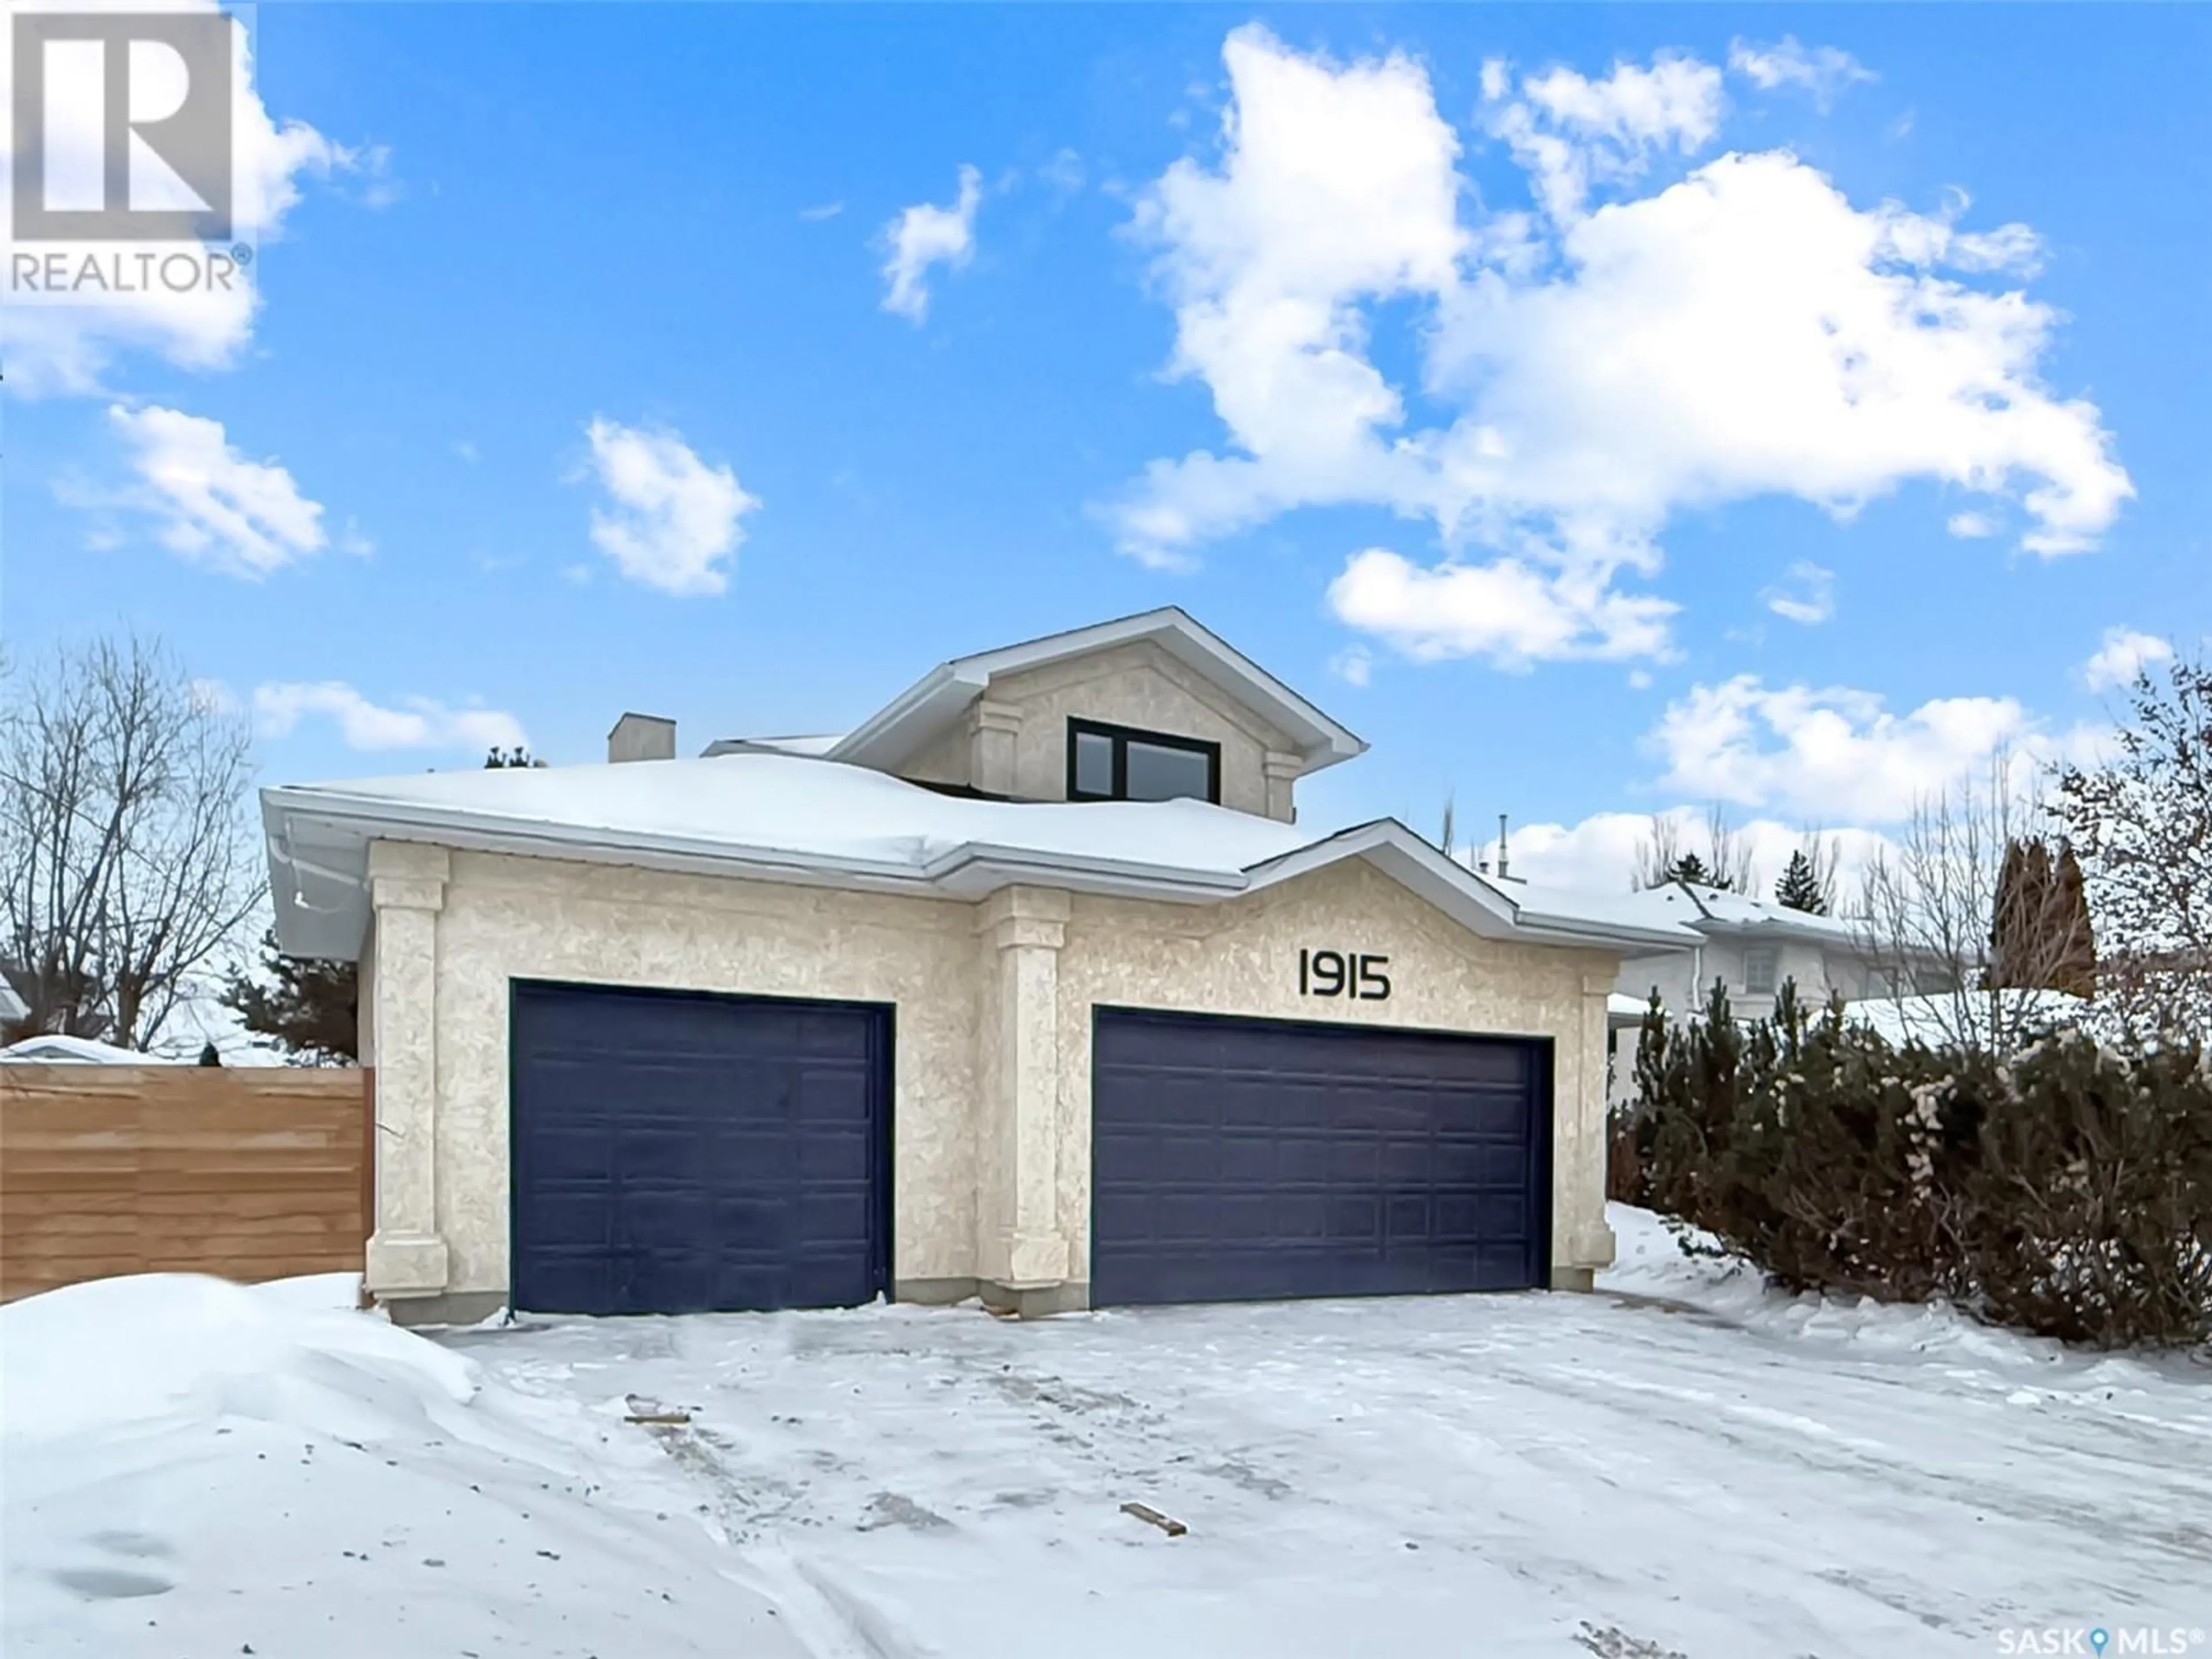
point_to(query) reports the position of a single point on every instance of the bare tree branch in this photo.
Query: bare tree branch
(126, 862)
(1927, 916)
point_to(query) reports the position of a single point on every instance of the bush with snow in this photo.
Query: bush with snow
(2065, 1190)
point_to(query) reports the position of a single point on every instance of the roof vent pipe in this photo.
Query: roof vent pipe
(1502, 874)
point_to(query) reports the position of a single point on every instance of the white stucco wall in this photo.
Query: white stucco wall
(1135, 685)
(992, 1099)
(507, 918)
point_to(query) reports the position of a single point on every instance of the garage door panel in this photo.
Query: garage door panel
(1402, 1158)
(1354, 1217)
(1279, 1159)
(1248, 1159)
(678, 1152)
(1186, 1154)
(1181, 1219)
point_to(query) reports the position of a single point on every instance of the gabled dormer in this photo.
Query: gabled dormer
(1148, 708)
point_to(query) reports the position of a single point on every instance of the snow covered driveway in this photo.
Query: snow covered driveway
(1721, 1474)
(1498, 1475)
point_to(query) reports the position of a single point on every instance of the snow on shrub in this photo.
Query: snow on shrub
(2066, 1190)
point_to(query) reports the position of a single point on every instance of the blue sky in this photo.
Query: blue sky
(1777, 407)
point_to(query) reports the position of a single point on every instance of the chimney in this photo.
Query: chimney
(642, 737)
(1502, 874)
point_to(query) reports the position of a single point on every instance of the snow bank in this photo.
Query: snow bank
(170, 1346)
(1649, 1262)
(195, 1466)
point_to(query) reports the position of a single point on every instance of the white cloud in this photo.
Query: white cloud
(214, 697)
(1064, 172)
(1839, 753)
(924, 235)
(1824, 71)
(212, 505)
(1639, 679)
(1809, 597)
(1601, 852)
(1507, 610)
(1971, 526)
(1569, 132)
(417, 723)
(1745, 332)
(54, 349)
(673, 520)
(1354, 664)
(2124, 654)
(820, 212)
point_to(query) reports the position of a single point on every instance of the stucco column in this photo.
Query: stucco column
(1025, 1250)
(1582, 1243)
(991, 753)
(1282, 771)
(407, 887)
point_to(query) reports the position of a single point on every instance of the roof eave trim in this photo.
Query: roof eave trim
(860, 746)
(969, 870)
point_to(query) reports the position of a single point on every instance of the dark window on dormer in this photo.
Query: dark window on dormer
(1117, 763)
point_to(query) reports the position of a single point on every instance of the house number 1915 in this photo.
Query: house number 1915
(1340, 974)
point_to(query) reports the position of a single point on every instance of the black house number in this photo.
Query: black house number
(1340, 974)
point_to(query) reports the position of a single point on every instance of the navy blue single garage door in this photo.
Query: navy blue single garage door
(1235, 1160)
(676, 1152)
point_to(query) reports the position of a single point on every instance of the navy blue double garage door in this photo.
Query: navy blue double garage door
(1240, 1160)
(678, 1152)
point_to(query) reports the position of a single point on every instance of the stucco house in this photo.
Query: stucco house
(1031, 985)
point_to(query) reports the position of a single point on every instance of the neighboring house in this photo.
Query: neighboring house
(1028, 986)
(1754, 947)
(197, 1018)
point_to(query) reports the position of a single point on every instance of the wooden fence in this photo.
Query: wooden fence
(250, 1173)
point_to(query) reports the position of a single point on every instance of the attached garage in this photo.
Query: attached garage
(680, 1153)
(1238, 1160)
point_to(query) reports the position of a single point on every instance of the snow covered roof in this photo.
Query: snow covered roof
(788, 818)
(76, 1051)
(931, 704)
(201, 1017)
(1711, 910)
(1967, 1014)
(819, 745)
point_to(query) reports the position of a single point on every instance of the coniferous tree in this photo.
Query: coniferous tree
(1800, 888)
(2074, 969)
(312, 1008)
(518, 756)
(2041, 938)
(1692, 869)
